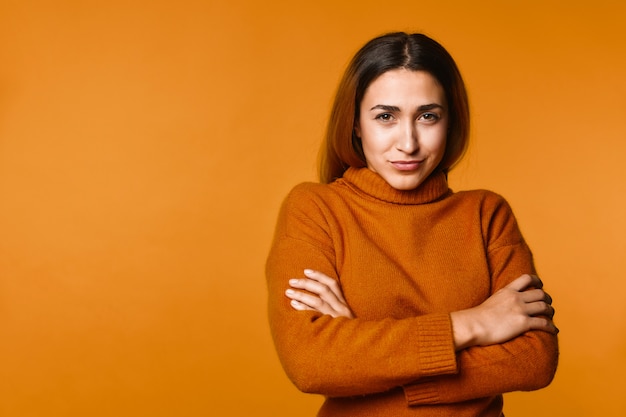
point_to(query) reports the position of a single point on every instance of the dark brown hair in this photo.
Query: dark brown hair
(417, 52)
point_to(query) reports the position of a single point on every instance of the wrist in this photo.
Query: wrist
(465, 330)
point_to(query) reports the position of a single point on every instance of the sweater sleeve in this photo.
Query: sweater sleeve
(527, 362)
(338, 356)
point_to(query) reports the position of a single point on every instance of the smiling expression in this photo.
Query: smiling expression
(403, 126)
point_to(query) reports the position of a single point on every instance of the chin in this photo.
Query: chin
(405, 184)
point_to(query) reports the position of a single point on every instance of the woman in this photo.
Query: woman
(390, 294)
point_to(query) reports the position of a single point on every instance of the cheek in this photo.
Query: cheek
(441, 143)
(438, 142)
(368, 152)
(439, 149)
(372, 147)
(373, 142)
(368, 138)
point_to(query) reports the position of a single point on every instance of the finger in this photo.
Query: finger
(539, 308)
(542, 323)
(310, 300)
(326, 295)
(321, 290)
(297, 305)
(316, 288)
(530, 296)
(303, 301)
(524, 281)
(547, 298)
(322, 278)
(308, 284)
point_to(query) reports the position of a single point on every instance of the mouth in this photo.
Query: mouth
(406, 165)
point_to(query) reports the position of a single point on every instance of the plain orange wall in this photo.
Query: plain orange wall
(145, 147)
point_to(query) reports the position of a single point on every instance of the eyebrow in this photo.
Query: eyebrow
(423, 107)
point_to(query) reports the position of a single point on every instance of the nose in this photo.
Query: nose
(408, 141)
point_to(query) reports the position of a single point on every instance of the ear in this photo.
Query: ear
(357, 129)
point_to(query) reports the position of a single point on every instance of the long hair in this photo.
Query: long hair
(417, 52)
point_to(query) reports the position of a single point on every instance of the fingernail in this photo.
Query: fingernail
(293, 281)
(308, 271)
(290, 292)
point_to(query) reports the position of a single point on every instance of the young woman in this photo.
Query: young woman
(390, 294)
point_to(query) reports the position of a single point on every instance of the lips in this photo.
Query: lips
(406, 165)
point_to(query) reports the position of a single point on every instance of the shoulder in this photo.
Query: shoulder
(304, 195)
(308, 195)
(307, 214)
(488, 202)
(480, 195)
(306, 191)
(308, 202)
(498, 223)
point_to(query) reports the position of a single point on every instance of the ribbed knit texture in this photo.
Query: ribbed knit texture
(405, 260)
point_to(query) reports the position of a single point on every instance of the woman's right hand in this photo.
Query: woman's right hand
(515, 309)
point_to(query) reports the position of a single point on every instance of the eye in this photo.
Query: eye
(430, 117)
(385, 117)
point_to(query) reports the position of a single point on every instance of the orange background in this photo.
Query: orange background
(145, 147)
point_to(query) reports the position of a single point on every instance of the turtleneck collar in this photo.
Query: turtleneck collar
(366, 181)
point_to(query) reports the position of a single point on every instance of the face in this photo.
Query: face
(403, 126)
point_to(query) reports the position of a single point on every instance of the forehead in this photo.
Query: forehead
(402, 85)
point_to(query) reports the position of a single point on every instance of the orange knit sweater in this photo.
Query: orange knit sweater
(405, 260)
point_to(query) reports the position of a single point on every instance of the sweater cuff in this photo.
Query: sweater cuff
(422, 392)
(437, 357)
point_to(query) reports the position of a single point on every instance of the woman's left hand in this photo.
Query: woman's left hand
(322, 294)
